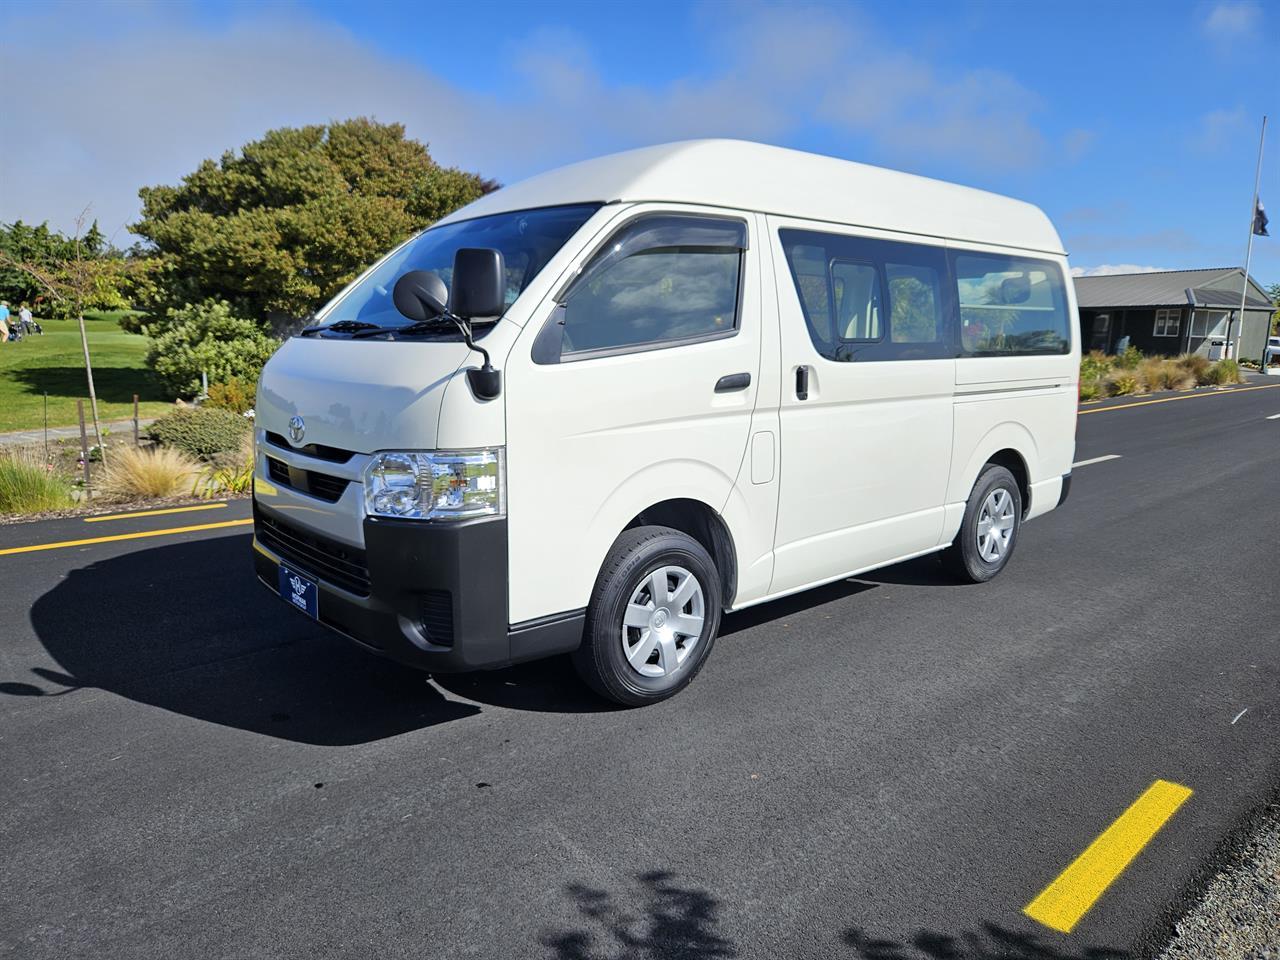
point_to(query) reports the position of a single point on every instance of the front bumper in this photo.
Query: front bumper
(431, 595)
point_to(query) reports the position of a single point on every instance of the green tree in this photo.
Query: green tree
(208, 338)
(281, 226)
(1273, 293)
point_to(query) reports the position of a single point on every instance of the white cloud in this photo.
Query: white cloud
(1228, 20)
(105, 104)
(1077, 143)
(1220, 128)
(1110, 269)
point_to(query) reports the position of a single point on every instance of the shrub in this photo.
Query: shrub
(1091, 389)
(1196, 365)
(1224, 372)
(148, 472)
(1151, 373)
(1129, 359)
(28, 486)
(200, 431)
(1094, 365)
(205, 337)
(235, 395)
(1122, 383)
(234, 477)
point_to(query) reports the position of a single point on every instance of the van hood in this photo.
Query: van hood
(359, 395)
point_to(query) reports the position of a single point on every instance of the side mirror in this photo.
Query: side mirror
(420, 295)
(1015, 289)
(479, 283)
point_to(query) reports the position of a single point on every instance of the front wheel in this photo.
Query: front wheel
(652, 619)
(989, 530)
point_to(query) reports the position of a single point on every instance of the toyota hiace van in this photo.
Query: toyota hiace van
(592, 412)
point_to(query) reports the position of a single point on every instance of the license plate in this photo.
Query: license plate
(299, 592)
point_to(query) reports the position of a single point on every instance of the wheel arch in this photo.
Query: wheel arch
(700, 521)
(1008, 444)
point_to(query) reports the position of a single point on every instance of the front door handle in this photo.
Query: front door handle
(732, 382)
(802, 383)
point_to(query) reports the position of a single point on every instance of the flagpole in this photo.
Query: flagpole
(1248, 256)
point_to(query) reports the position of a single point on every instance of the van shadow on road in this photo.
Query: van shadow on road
(187, 627)
(661, 915)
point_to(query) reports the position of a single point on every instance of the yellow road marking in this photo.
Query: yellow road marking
(155, 513)
(125, 536)
(1189, 396)
(1062, 903)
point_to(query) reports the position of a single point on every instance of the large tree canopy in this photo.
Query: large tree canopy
(280, 227)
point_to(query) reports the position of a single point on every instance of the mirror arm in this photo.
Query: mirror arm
(485, 381)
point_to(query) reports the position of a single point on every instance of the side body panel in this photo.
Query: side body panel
(593, 442)
(751, 511)
(865, 456)
(1021, 403)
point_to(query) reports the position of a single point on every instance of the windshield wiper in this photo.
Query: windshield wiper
(344, 326)
(410, 329)
(418, 326)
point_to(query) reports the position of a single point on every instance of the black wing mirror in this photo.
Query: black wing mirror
(479, 283)
(420, 295)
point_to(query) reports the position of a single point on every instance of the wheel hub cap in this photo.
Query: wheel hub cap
(663, 621)
(996, 521)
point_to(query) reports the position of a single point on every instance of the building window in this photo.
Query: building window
(1168, 323)
(1209, 323)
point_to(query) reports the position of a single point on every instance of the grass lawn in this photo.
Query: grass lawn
(54, 364)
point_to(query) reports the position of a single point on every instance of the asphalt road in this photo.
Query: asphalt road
(890, 767)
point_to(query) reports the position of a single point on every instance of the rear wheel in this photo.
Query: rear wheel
(652, 619)
(989, 530)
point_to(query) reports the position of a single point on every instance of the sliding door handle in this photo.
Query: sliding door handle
(802, 382)
(732, 382)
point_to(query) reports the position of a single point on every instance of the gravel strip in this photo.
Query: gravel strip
(1239, 917)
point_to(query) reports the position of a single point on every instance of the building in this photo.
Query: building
(1173, 311)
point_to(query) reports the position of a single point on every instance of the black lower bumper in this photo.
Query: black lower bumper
(430, 595)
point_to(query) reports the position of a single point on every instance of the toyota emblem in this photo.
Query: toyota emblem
(297, 429)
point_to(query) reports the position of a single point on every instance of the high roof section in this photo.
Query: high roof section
(1168, 288)
(742, 175)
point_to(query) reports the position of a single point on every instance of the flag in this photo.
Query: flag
(1259, 220)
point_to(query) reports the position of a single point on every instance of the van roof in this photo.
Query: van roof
(742, 175)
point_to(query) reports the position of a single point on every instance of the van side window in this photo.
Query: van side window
(915, 302)
(660, 280)
(1010, 306)
(856, 287)
(843, 284)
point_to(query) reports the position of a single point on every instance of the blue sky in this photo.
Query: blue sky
(1133, 125)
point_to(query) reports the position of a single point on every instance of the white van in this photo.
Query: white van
(703, 376)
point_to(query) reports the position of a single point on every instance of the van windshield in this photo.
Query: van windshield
(528, 239)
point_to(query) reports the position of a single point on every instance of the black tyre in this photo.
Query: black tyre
(989, 531)
(653, 617)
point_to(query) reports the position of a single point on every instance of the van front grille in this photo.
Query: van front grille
(322, 486)
(436, 616)
(312, 553)
(317, 450)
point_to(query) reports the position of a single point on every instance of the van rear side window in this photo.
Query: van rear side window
(844, 283)
(1010, 306)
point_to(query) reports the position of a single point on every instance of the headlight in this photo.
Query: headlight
(441, 485)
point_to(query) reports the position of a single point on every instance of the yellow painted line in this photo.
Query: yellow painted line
(155, 513)
(1187, 396)
(126, 536)
(1062, 903)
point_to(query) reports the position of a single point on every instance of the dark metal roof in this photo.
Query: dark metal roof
(1165, 288)
(1227, 298)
